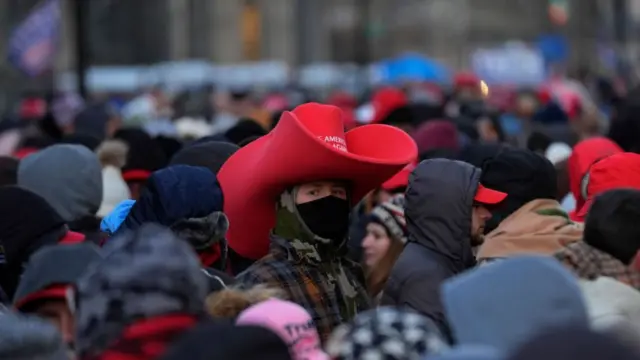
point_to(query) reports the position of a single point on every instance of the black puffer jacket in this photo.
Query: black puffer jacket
(438, 210)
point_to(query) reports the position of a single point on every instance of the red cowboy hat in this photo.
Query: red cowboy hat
(307, 144)
(401, 179)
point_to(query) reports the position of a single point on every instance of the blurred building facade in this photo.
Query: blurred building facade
(305, 31)
(126, 32)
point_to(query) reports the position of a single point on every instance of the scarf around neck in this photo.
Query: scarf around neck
(313, 250)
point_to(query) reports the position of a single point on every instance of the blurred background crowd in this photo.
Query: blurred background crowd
(115, 114)
(122, 47)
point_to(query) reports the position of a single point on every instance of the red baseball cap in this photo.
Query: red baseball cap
(488, 196)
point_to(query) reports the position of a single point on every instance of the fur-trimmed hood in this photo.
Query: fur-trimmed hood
(203, 234)
(230, 302)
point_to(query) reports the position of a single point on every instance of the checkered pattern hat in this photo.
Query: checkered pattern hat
(386, 333)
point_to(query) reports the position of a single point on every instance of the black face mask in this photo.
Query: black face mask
(327, 218)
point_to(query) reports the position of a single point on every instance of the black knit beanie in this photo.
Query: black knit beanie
(245, 128)
(211, 154)
(144, 153)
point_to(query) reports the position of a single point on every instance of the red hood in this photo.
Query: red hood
(585, 154)
(615, 172)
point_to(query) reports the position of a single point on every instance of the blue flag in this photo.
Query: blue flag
(33, 44)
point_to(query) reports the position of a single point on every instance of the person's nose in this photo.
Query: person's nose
(68, 329)
(366, 242)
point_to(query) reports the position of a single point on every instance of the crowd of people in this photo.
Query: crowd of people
(419, 222)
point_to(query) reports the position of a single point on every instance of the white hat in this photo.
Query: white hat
(557, 152)
(114, 190)
(193, 128)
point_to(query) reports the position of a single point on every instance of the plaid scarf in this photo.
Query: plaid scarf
(590, 263)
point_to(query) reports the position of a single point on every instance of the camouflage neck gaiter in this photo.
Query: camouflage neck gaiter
(315, 250)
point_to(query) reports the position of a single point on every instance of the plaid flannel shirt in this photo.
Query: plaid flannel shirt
(305, 284)
(589, 263)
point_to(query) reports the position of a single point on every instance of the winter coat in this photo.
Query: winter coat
(438, 211)
(539, 227)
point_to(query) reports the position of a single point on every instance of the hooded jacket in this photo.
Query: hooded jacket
(503, 304)
(69, 177)
(538, 227)
(187, 199)
(175, 193)
(147, 290)
(584, 155)
(28, 223)
(44, 278)
(438, 210)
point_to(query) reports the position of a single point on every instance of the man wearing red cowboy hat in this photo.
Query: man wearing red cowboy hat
(446, 208)
(288, 196)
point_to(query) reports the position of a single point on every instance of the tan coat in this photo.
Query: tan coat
(538, 227)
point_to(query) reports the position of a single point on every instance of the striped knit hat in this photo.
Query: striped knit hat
(391, 215)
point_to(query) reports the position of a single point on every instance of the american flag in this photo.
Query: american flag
(33, 44)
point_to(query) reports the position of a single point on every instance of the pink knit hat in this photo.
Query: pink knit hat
(291, 322)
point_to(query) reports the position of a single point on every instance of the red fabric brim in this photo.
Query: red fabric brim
(573, 215)
(24, 152)
(488, 196)
(72, 237)
(253, 178)
(136, 175)
(581, 213)
(57, 292)
(398, 180)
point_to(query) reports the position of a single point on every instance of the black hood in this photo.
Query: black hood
(438, 208)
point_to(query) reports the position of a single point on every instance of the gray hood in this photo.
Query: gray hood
(145, 273)
(438, 207)
(69, 177)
